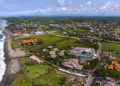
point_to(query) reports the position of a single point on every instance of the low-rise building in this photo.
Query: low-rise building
(38, 32)
(105, 56)
(35, 58)
(114, 65)
(83, 53)
(72, 64)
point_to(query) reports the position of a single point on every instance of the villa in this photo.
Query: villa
(38, 32)
(105, 56)
(29, 42)
(83, 53)
(72, 64)
(114, 65)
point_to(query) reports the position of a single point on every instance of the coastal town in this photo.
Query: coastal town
(62, 52)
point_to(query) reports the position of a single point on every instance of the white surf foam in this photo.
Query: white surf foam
(2, 58)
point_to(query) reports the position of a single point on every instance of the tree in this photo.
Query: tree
(94, 63)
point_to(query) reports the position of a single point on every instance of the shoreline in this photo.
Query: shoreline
(6, 76)
(11, 60)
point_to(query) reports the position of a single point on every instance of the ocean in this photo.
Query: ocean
(3, 24)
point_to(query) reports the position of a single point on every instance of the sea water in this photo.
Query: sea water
(3, 24)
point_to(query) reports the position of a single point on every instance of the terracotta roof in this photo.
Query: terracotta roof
(28, 41)
(110, 66)
(114, 64)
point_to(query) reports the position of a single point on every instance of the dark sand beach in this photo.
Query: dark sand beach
(11, 60)
(7, 61)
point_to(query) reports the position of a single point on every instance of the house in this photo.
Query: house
(16, 34)
(35, 58)
(55, 49)
(50, 47)
(105, 56)
(29, 42)
(52, 52)
(38, 32)
(83, 53)
(72, 64)
(61, 53)
(44, 50)
(114, 65)
(53, 56)
(26, 35)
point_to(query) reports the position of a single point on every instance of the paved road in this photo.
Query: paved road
(76, 38)
(89, 80)
(99, 50)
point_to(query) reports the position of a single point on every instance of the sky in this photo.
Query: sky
(59, 7)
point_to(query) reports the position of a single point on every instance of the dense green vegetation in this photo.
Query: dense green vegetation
(110, 46)
(94, 63)
(102, 72)
(96, 84)
(14, 44)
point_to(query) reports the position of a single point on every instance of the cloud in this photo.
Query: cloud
(111, 7)
(87, 8)
(70, 2)
(89, 3)
(61, 2)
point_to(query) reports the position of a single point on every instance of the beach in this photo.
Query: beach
(11, 59)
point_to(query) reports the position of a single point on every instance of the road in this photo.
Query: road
(90, 80)
(76, 38)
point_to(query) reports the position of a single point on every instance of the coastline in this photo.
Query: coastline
(6, 76)
(11, 60)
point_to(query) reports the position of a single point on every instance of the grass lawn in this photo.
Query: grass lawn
(23, 60)
(58, 42)
(117, 30)
(110, 46)
(47, 39)
(44, 75)
(79, 30)
(66, 43)
(50, 79)
(33, 71)
(14, 44)
(71, 42)
(21, 80)
(60, 33)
